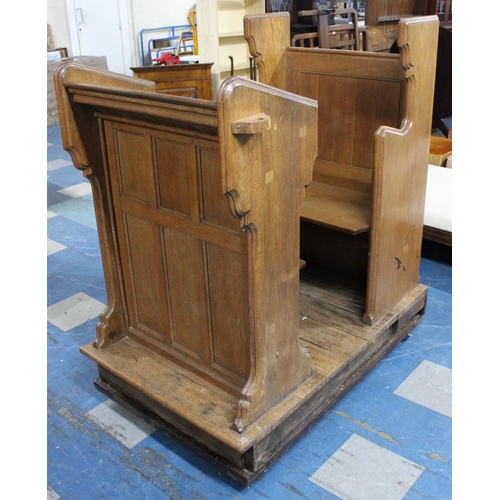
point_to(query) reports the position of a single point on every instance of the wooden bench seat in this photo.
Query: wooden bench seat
(338, 208)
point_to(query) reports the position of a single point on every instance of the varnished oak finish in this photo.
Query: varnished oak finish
(374, 119)
(208, 331)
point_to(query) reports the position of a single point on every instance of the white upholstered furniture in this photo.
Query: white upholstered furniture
(438, 205)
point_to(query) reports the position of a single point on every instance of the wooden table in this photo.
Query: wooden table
(188, 80)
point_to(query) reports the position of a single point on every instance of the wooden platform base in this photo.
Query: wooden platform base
(342, 349)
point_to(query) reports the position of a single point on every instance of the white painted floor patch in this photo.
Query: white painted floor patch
(54, 247)
(363, 470)
(77, 190)
(429, 385)
(74, 311)
(51, 494)
(120, 423)
(59, 163)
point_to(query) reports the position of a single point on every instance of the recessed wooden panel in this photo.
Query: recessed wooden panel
(367, 120)
(175, 164)
(377, 103)
(389, 99)
(230, 340)
(308, 85)
(345, 106)
(146, 296)
(187, 290)
(337, 97)
(215, 204)
(350, 110)
(134, 164)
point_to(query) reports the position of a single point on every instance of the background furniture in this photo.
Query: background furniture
(440, 150)
(438, 205)
(153, 41)
(443, 101)
(386, 15)
(347, 36)
(220, 36)
(188, 80)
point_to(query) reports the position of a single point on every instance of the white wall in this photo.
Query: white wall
(141, 14)
(154, 14)
(58, 20)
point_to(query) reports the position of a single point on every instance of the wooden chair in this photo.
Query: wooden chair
(192, 22)
(364, 209)
(347, 36)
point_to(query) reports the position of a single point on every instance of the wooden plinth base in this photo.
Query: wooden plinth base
(199, 415)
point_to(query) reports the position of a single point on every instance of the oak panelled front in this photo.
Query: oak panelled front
(231, 352)
(351, 109)
(180, 249)
(176, 176)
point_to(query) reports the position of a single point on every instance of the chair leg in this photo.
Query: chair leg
(441, 126)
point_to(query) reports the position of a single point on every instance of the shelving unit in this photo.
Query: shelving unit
(220, 35)
(154, 41)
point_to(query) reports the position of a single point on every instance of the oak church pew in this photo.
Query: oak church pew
(198, 214)
(364, 209)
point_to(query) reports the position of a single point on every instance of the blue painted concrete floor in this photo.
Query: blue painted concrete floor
(389, 438)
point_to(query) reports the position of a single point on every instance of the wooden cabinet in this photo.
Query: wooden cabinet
(188, 80)
(220, 35)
